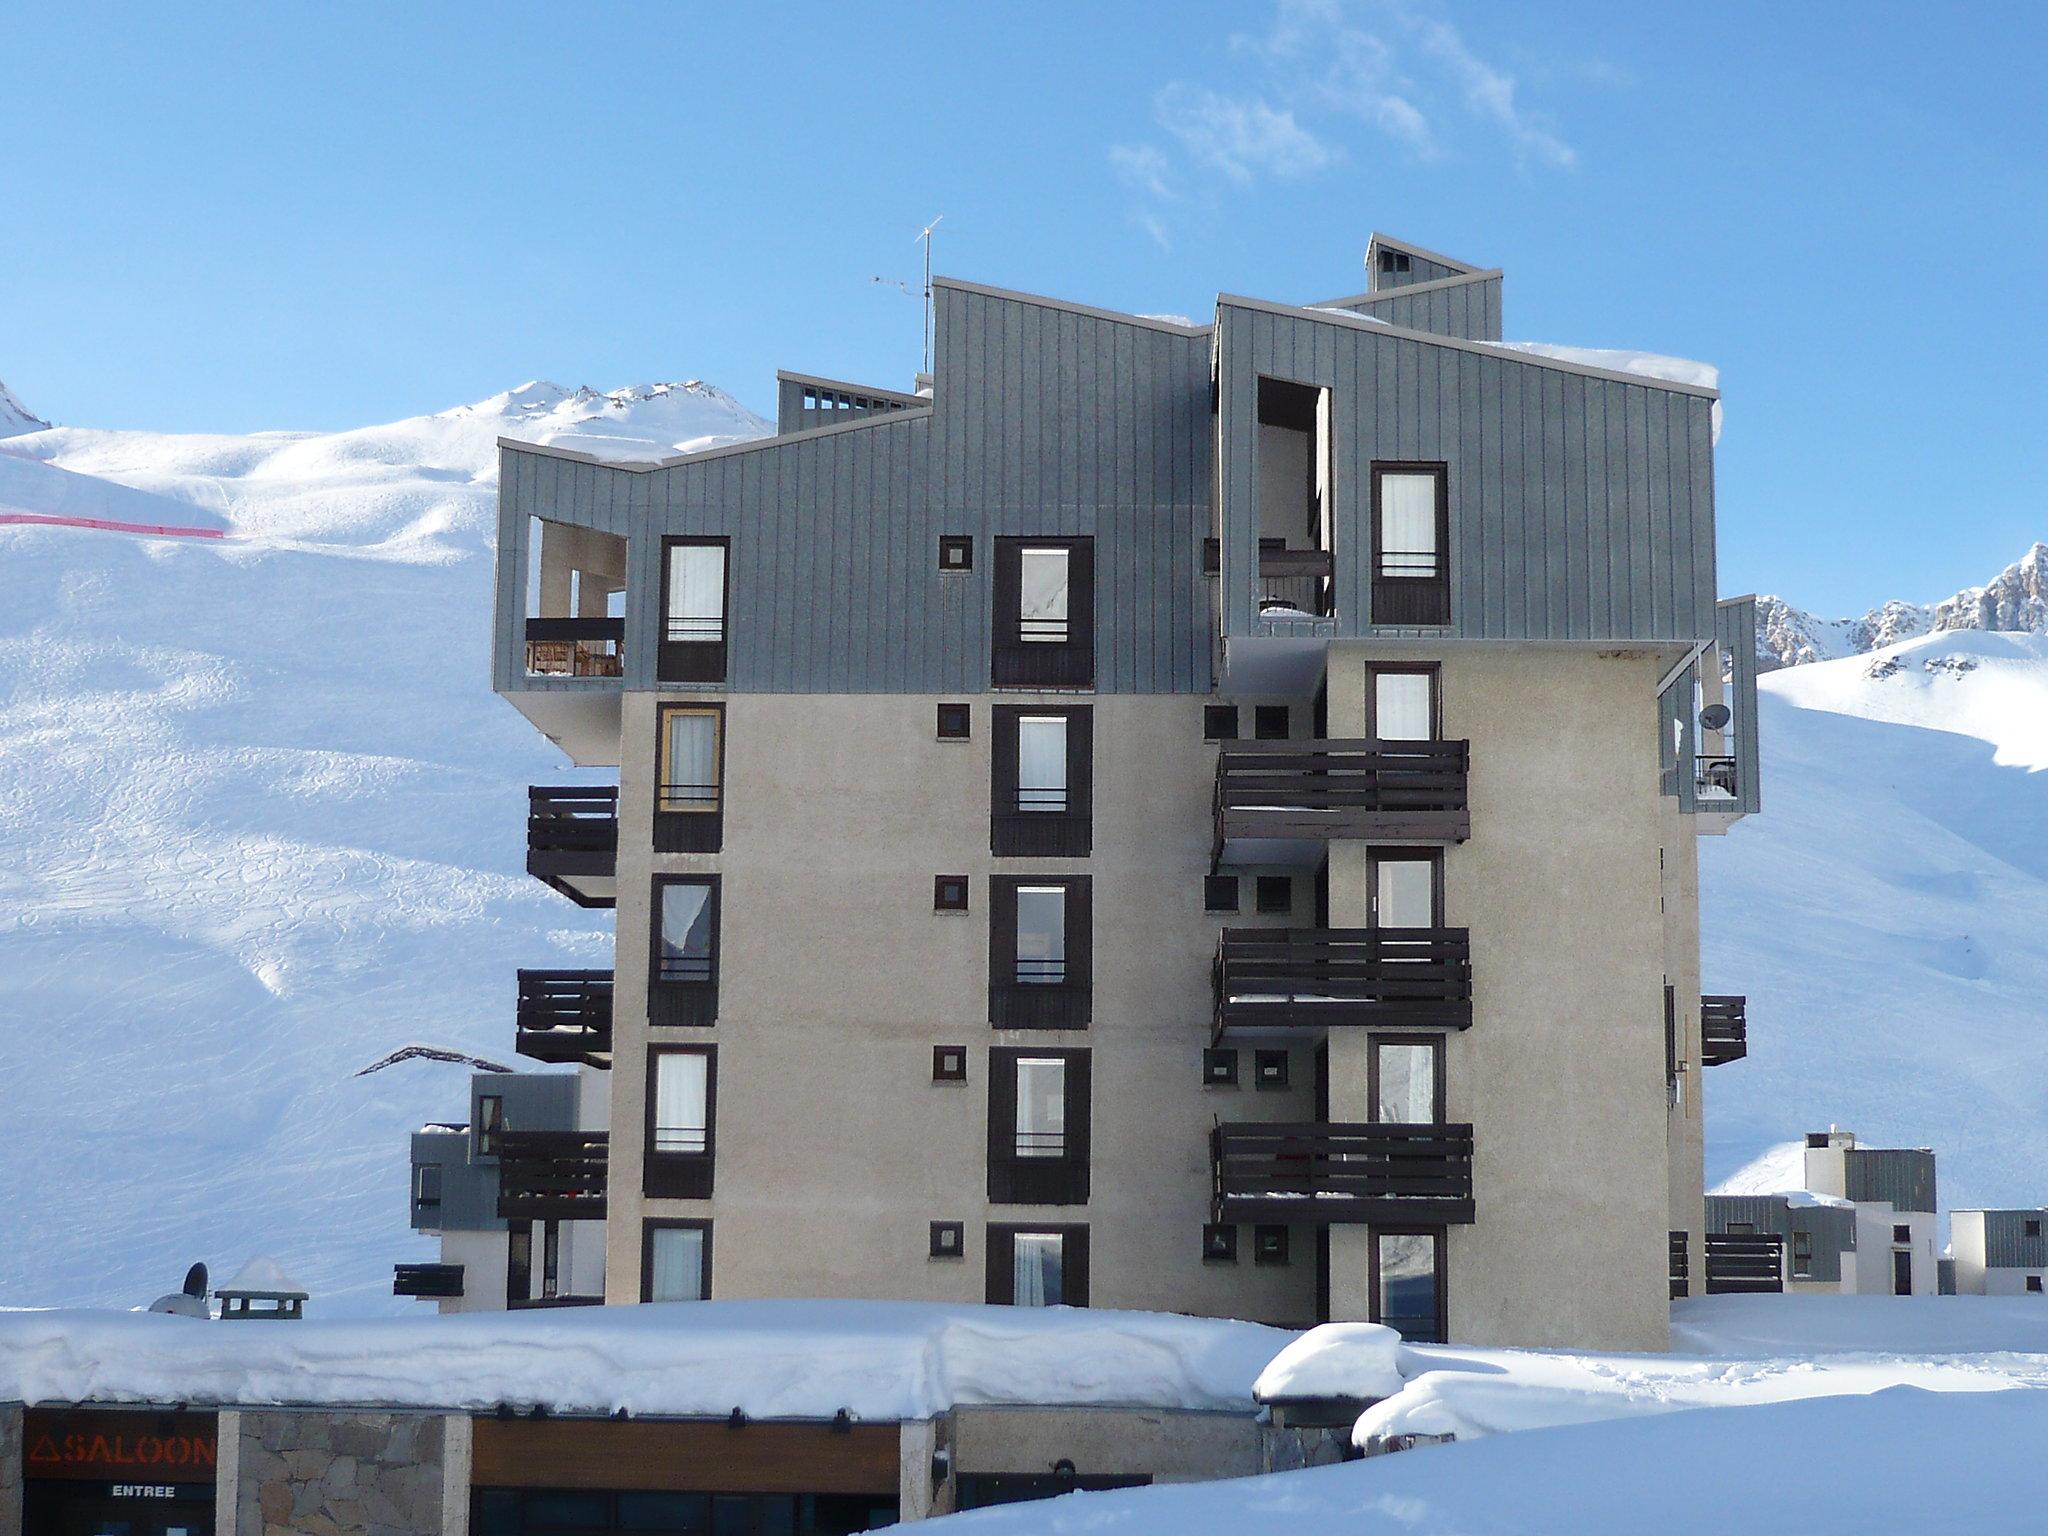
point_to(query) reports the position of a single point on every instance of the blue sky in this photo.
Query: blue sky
(241, 217)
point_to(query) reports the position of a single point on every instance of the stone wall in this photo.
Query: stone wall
(10, 1469)
(339, 1474)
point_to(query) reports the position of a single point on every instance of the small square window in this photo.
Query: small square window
(1269, 722)
(949, 1240)
(1902, 1234)
(2031, 1227)
(949, 893)
(949, 1063)
(1276, 895)
(953, 722)
(1219, 1066)
(1219, 893)
(1269, 1245)
(1219, 722)
(1219, 1243)
(956, 552)
(1271, 1069)
(2033, 1285)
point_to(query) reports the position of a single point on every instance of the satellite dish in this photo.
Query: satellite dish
(1714, 717)
(195, 1280)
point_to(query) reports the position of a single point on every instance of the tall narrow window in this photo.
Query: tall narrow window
(682, 1096)
(686, 939)
(1407, 1080)
(550, 1259)
(1041, 1107)
(1036, 1270)
(676, 1262)
(1411, 529)
(1043, 588)
(426, 1186)
(683, 986)
(1403, 701)
(1044, 618)
(1405, 889)
(1802, 1255)
(689, 793)
(1407, 1284)
(1038, 1266)
(1041, 935)
(693, 597)
(1041, 791)
(1042, 763)
(490, 1120)
(1039, 952)
(518, 1263)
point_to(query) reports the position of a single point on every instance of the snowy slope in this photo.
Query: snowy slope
(2014, 601)
(15, 417)
(1887, 915)
(261, 818)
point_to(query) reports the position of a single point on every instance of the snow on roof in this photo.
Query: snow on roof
(1334, 1360)
(772, 1359)
(1650, 365)
(262, 1276)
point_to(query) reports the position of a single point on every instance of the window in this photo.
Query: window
(1269, 1245)
(1038, 1126)
(681, 1105)
(1269, 1068)
(426, 1186)
(1039, 952)
(2031, 1227)
(575, 600)
(1410, 536)
(490, 1119)
(2033, 1285)
(693, 597)
(949, 893)
(1041, 790)
(1902, 1272)
(683, 983)
(1274, 894)
(1269, 722)
(1902, 1234)
(956, 552)
(1401, 703)
(1219, 1066)
(688, 798)
(518, 1263)
(1219, 722)
(1408, 1283)
(949, 1063)
(1406, 888)
(954, 722)
(1406, 1084)
(1219, 893)
(1802, 1255)
(1741, 1228)
(949, 1240)
(675, 1261)
(1393, 261)
(1219, 1243)
(1038, 1266)
(550, 1260)
(1044, 626)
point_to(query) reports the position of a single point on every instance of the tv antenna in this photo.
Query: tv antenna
(923, 237)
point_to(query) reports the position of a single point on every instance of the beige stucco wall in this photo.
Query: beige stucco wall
(835, 1149)
(1168, 1446)
(1562, 1072)
(1685, 1123)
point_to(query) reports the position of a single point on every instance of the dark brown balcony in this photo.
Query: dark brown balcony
(1280, 802)
(1328, 1173)
(575, 647)
(1299, 579)
(1271, 980)
(572, 841)
(1724, 1029)
(438, 1281)
(552, 1175)
(565, 1017)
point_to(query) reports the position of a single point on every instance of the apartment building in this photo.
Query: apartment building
(1999, 1253)
(1176, 816)
(1864, 1225)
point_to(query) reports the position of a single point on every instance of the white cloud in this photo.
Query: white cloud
(1143, 166)
(1237, 136)
(1490, 93)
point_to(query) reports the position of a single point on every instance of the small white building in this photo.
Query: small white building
(1999, 1253)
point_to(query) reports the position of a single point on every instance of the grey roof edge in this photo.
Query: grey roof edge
(1434, 285)
(1739, 597)
(1459, 344)
(987, 290)
(1997, 1210)
(790, 376)
(1379, 238)
(702, 455)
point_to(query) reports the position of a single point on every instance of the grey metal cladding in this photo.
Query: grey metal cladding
(804, 401)
(1831, 1227)
(1581, 505)
(1902, 1175)
(1466, 307)
(1047, 420)
(2006, 1244)
(469, 1190)
(1735, 632)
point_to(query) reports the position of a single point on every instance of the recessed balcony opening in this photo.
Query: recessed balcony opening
(1292, 461)
(575, 601)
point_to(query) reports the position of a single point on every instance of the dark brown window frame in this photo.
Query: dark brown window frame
(1269, 1244)
(1219, 1066)
(1017, 663)
(1017, 833)
(1219, 1242)
(941, 1231)
(950, 715)
(945, 1070)
(949, 893)
(1267, 1057)
(1219, 722)
(1443, 1280)
(956, 552)
(1377, 855)
(683, 1004)
(1017, 1180)
(1214, 885)
(1433, 670)
(680, 1175)
(688, 831)
(1015, 1004)
(694, 661)
(1439, 1072)
(1263, 720)
(1411, 602)
(1001, 1257)
(649, 1227)
(1273, 895)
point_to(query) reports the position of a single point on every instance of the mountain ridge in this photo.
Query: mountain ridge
(2013, 602)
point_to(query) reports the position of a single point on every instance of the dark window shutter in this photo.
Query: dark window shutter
(1074, 1256)
(1002, 1259)
(1002, 1128)
(1079, 1135)
(1003, 763)
(1081, 602)
(1002, 934)
(1081, 760)
(1008, 595)
(1670, 1034)
(1080, 938)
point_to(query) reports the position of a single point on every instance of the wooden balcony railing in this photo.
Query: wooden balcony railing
(565, 1017)
(572, 840)
(1745, 1263)
(575, 647)
(1724, 1029)
(1324, 1173)
(434, 1280)
(1355, 788)
(1305, 978)
(552, 1175)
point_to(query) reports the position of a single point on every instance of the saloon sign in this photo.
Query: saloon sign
(142, 1447)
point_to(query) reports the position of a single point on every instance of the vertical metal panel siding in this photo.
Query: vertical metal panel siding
(1735, 629)
(1832, 1228)
(1470, 310)
(1562, 486)
(1420, 270)
(1902, 1175)
(2006, 1245)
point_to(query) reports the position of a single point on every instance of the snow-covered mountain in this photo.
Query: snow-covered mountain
(2013, 602)
(15, 417)
(259, 828)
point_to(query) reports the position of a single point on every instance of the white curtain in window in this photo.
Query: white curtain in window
(1035, 1270)
(1408, 525)
(1042, 763)
(680, 1121)
(676, 1266)
(1042, 934)
(1407, 1074)
(1042, 606)
(1041, 1107)
(696, 592)
(690, 773)
(1407, 894)
(1401, 709)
